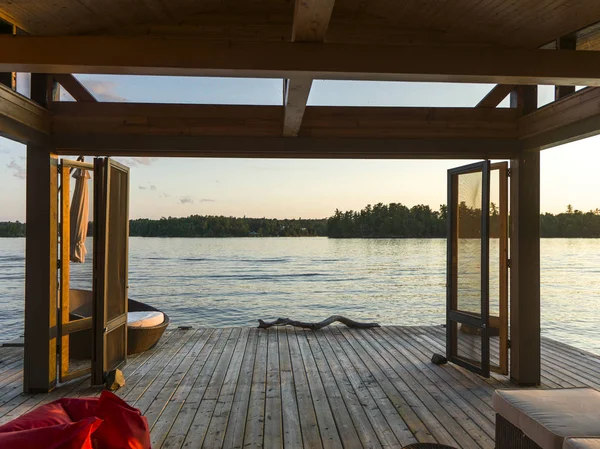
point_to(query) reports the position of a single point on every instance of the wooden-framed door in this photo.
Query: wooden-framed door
(111, 249)
(477, 297)
(467, 284)
(74, 331)
(499, 206)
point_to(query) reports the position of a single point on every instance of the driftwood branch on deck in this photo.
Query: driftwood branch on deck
(314, 326)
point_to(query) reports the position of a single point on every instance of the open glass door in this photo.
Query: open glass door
(467, 294)
(74, 314)
(111, 236)
(498, 325)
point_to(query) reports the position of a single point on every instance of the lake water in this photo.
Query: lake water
(235, 281)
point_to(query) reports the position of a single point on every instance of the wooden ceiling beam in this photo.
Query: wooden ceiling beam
(22, 119)
(146, 55)
(495, 96)
(571, 118)
(72, 85)
(311, 20)
(267, 121)
(282, 147)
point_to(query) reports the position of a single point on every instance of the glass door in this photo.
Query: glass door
(467, 286)
(111, 236)
(74, 314)
(498, 325)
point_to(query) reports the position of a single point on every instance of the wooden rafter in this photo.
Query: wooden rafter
(266, 121)
(22, 119)
(192, 56)
(311, 20)
(72, 85)
(495, 96)
(571, 118)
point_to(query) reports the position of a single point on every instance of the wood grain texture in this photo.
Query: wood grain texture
(577, 107)
(311, 19)
(271, 147)
(197, 57)
(266, 121)
(295, 97)
(527, 22)
(328, 388)
(525, 330)
(41, 260)
(22, 119)
(65, 268)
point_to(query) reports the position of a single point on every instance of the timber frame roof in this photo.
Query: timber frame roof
(514, 44)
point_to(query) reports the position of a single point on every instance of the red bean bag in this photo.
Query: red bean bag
(107, 422)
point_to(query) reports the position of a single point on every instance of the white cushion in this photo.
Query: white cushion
(145, 319)
(582, 443)
(549, 416)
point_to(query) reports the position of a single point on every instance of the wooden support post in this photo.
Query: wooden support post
(524, 98)
(568, 42)
(44, 90)
(9, 79)
(525, 356)
(525, 359)
(41, 257)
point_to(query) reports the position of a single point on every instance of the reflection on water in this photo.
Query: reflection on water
(233, 282)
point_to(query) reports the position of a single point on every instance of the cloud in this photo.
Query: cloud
(103, 90)
(18, 170)
(164, 195)
(152, 187)
(136, 161)
(142, 187)
(190, 200)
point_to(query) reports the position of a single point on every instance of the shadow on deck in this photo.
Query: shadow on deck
(245, 387)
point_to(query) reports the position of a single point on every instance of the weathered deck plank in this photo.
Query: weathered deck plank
(332, 388)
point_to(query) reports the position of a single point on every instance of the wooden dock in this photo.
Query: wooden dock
(334, 388)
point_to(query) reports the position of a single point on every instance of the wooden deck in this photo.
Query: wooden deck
(242, 387)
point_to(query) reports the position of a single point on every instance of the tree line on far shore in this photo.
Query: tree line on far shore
(392, 220)
(220, 226)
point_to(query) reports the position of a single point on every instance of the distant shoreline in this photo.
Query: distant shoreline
(380, 221)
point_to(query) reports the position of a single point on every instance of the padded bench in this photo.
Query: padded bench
(547, 418)
(582, 443)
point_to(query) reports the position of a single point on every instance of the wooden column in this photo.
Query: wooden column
(9, 79)
(525, 357)
(41, 257)
(568, 42)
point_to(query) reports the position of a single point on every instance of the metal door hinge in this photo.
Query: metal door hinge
(508, 172)
(508, 343)
(58, 264)
(509, 263)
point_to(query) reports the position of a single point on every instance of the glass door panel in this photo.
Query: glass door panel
(111, 235)
(468, 267)
(74, 314)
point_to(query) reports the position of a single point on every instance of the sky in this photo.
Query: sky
(163, 187)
